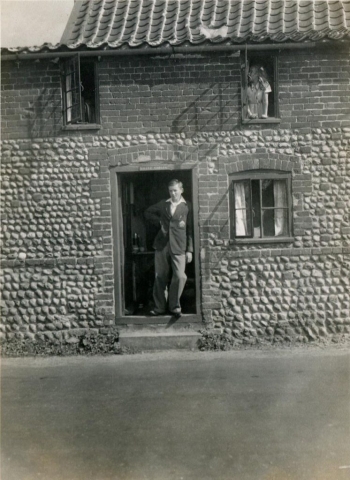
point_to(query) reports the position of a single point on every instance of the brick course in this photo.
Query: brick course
(196, 93)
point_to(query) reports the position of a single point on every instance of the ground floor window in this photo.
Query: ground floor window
(261, 206)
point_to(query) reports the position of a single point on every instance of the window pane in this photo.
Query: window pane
(72, 90)
(268, 223)
(281, 201)
(88, 93)
(280, 193)
(281, 222)
(267, 193)
(256, 208)
(75, 108)
(242, 208)
(275, 222)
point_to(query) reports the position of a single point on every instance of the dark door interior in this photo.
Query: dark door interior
(139, 191)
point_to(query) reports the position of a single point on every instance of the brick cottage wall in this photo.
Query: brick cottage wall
(176, 94)
(57, 269)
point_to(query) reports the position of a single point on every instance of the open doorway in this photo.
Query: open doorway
(138, 191)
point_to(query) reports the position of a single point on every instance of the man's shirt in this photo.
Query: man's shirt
(174, 205)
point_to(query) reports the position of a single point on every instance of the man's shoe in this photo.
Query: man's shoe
(154, 313)
(177, 314)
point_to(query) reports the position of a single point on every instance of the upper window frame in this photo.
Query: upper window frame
(260, 175)
(71, 73)
(246, 57)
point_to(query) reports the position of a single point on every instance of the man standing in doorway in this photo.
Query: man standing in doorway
(174, 248)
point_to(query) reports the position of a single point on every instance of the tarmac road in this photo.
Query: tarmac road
(242, 415)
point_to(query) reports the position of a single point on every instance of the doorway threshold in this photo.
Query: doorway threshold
(148, 341)
(186, 318)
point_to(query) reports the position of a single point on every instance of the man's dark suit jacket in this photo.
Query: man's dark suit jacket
(179, 227)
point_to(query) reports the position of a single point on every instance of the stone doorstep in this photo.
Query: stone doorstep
(155, 340)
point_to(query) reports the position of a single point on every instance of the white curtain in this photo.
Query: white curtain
(241, 210)
(69, 99)
(280, 198)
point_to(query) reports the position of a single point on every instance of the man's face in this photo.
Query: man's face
(175, 192)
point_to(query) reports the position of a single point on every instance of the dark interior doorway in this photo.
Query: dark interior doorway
(139, 190)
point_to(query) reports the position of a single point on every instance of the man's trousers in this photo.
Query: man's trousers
(166, 263)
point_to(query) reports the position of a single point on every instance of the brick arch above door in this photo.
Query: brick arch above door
(146, 154)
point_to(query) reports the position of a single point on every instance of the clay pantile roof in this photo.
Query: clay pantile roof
(155, 22)
(141, 23)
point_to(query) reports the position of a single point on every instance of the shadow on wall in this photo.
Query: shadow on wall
(219, 229)
(211, 109)
(44, 114)
(181, 155)
(210, 221)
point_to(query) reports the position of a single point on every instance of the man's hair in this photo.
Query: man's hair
(174, 182)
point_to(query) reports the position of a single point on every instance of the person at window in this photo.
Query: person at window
(257, 92)
(88, 108)
(173, 248)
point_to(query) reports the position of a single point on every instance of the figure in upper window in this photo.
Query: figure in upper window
(258, 90)
(259, 87)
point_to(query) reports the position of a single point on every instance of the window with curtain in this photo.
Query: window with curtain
(79, 85)
(261, 206)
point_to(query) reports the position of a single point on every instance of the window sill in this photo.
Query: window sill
(82, 126)
(247, 121)
(245, 241)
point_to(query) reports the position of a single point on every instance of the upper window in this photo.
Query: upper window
(261, 206)
(79, 84)
(259, 88)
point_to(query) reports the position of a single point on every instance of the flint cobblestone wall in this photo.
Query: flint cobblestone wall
(57, 232)
(50, 302)
(57, 276)
(284, 297)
